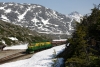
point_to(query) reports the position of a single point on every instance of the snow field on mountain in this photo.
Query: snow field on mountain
(43, 58)
(39, 18)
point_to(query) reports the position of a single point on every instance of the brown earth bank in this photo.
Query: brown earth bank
(18, 55)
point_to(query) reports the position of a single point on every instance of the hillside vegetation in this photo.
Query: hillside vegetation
(11, 34)
(84, 47)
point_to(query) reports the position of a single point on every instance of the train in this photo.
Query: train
(37, 46)
(32, 47)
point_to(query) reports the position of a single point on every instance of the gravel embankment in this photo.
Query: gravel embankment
(10, 52)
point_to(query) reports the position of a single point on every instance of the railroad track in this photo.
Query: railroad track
(10, 57)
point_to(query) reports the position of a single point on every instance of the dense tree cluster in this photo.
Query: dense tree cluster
(84, 48)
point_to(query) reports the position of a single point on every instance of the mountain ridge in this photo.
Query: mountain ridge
(37, 17)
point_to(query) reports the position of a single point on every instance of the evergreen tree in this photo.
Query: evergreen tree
(84, 44)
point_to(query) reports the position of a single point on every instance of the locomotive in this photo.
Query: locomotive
(38, 46)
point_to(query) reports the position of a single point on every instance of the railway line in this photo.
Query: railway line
(14, 56)
(18, 55)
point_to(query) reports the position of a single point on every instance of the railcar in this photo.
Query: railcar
(38, 46)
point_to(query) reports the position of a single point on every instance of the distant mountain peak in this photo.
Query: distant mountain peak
(76, 15)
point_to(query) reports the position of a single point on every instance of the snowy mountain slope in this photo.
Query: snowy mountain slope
(37, 17)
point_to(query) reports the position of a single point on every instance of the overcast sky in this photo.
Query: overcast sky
(63, 6)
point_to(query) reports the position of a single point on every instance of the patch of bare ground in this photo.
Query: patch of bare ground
(6, 53)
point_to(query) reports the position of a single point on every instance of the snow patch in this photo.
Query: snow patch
(4, 18)
(10, 4)
(70, 27)
(21, 46)
(3, 42)
(22, 16)
(13, 38)
(45, 21)
(8, 11)
(38, 6)
(1, 8)
(60, 40)
(35, 20)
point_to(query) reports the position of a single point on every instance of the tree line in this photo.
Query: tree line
(84, 48)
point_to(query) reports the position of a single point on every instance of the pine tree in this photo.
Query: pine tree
(85, 52)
